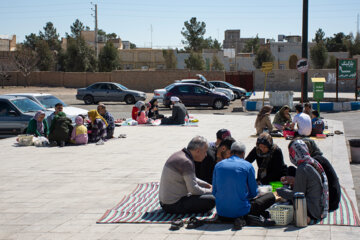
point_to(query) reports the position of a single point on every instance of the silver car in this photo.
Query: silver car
(15, 114)
(109, 92)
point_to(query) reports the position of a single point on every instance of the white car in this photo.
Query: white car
(48, 101)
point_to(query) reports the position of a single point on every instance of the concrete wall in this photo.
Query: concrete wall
(140, 80)
(284, 80)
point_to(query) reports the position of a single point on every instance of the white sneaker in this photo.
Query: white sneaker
(100, 142)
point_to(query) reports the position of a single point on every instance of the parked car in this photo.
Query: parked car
(48, 101)
(109, 92)
(238, 91)
(15, 114)
(159, 94)
(228, 92)
(196, 95)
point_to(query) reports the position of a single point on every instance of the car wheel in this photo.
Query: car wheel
(88, 100)
(218, 104)
(129, 99)
(237, 95)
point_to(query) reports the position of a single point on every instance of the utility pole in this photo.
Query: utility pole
(304, 93)
(357, 25)
(151, 31)
(96, 28)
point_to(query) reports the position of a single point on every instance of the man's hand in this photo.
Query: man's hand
(288, 180)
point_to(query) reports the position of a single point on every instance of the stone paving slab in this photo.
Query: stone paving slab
(59, 193)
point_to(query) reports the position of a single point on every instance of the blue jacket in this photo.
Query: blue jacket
(234, 185)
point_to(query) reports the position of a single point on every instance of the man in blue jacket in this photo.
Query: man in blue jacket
(235, 189)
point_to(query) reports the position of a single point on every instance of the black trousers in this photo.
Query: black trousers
(191, 204)
(258, 206)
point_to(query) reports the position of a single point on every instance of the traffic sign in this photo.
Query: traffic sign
(302, 65)
(267, 67)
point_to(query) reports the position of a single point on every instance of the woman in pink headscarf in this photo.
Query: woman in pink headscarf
(79, 134)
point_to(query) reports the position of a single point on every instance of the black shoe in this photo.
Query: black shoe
(252, 220)
(239, 223)
(53, 144)
(176, 224)
(62, 143)
(194, 223)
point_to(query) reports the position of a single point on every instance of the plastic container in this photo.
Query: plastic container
(282, 214)
(281, 98)
(355, 150)
(25, 140)
(276, 185)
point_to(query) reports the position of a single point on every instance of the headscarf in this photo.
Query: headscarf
(299, 154)
(265, 139)
(265, 110)
(313, 148)
(139, 104)
(282, 110)
(39, 124)
(93, 114)
(174, 99)
(79, 120)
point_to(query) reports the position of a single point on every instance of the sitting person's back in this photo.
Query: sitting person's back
(60, 129)
(303, 121)
(263, 121)
(79, 133)
(178, 115)
(318, 125)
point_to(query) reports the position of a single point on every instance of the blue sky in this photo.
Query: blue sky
(132, 19)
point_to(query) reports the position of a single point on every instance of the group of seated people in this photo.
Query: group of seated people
(145, 113)
(307, 120)
(59, 130)
(204, 175)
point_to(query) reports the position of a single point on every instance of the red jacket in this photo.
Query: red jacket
(134, 113)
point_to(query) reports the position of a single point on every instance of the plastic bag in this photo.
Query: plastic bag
(41, 141)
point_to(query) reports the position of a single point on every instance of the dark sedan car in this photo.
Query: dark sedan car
(195, 95)
(238, 91)
(109, 92)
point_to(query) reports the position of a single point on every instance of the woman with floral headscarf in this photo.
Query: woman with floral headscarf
(263, 120)
(310, 179)
(282, 118)
(38, 126)
(98, 126)
(269, 159)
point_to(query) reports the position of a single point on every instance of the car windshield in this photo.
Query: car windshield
(169, 87)
(26, 105)
(49, 101)
(229, 84)
(122, 87)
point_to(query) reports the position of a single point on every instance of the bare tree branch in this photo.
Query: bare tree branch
(25, 61)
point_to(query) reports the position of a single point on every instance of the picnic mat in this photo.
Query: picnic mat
(142, 206)
(193, 122)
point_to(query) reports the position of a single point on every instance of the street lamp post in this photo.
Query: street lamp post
(304, 92)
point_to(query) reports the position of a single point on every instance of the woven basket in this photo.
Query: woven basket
(282, 214)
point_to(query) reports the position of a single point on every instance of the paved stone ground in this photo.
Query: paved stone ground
(59, 193)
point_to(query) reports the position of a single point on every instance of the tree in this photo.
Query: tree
(337, 43)
(31, 41)
(5, 68)
(170, 59)
(354, 45)
(25, 60)
(319, 36)
(111, 36)
(193, 32)
(76, 29)
(79, 56)
(216, 45)
(332, 62)
(51, 36)
(318, 55)
(216, 64)
(109, 58)
(195, 62)
(252, 45)
(263, 54)
(132, 45)
(45, 55)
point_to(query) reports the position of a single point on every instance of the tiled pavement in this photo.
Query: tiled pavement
(59, 193)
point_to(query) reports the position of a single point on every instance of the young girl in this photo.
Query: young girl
(142, 118)
(79, 134)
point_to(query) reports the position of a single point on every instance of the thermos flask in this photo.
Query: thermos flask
(300, 209)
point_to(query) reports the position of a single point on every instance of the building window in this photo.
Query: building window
(282, 66)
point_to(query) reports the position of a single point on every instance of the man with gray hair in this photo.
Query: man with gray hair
(180, 190)
(235, 187)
